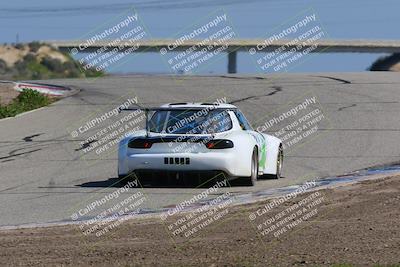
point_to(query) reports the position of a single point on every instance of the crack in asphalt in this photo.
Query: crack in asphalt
(56, 140)
(243, 78)
(342, 108)
(86, 145)
(12, 154)
(363, 102)
(7, 160)
(335, 79)
(29, 138)
(11, 188)
(276, 90)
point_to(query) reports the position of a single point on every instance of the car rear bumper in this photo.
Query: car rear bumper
(184, 162)
(176, 176)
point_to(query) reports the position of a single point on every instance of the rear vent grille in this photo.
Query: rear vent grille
(177, 161)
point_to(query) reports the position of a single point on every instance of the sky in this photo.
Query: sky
(70, 20)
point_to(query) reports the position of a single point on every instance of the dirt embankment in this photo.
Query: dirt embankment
(12, 54)
(39, 61)
(357, 224)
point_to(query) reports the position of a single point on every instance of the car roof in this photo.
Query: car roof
(198, 105)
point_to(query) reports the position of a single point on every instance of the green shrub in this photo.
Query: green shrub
(53, 64)
(34, 46)
(3, 66)
(27, 100)
(19, 46)
(38, 71)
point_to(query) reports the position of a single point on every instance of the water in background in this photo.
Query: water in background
(342, 19)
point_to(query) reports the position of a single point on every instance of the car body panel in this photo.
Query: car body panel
(235, 161)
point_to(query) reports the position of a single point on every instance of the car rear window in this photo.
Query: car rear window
(192, 121)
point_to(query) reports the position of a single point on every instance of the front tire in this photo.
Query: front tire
(279, 164)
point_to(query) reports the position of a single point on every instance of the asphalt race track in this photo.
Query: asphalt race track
(46, 177)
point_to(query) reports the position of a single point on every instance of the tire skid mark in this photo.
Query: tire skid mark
(335, 79)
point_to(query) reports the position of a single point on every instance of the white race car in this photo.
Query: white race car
(188, 139)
